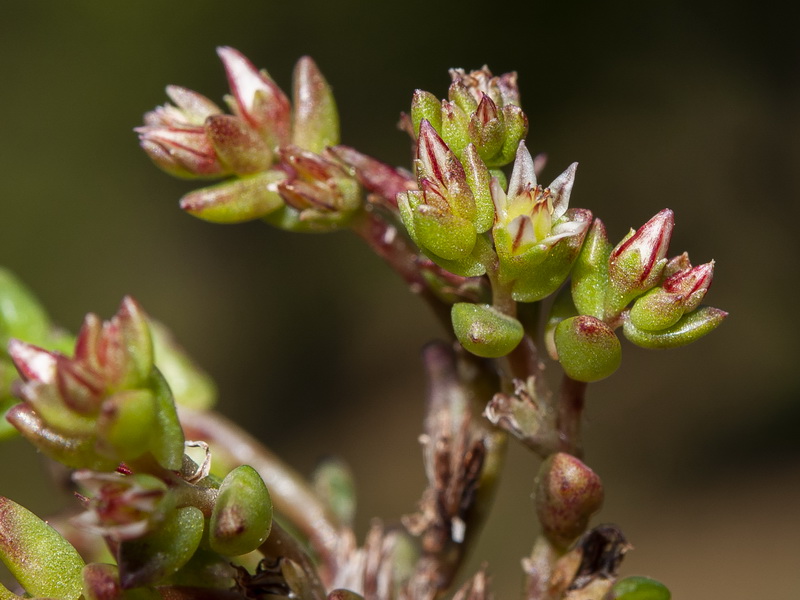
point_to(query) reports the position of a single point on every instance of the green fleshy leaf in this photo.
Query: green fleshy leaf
(236, 200)
(21, 314)
(656, 310)
(242, 515)
(168, 439)
(689, 328)
(639, 588)
(484, 330)
(150, 559)
(588, 349)
(455, 128)
(42, 561)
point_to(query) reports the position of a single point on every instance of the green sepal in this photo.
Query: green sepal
(455, 128)
(236, 200)
(656, 310)
(159, 554)
(425, 105)
(168, 439)
(516, 128)
(21, 314)
(484, 330)
(488, 138)
(689, 328)
(41, 560)
(639, 588)
(588, 349)
(445, 235)
(126, 424)
(242, 515)
(333, 482)
(479, 179)
(315, 124)
(590, 273)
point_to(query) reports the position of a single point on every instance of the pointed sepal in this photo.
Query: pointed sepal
(316, 120)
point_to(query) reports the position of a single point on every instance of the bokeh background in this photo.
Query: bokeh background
(315, 347)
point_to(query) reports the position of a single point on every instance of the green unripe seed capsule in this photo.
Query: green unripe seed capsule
(242, 516)
(484, 330)
(639, 588)
(588, 349)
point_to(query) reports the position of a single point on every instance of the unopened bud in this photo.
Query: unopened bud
(681, 293)
(567, 494)
(588, 349)
(484, 330)
(636, 264)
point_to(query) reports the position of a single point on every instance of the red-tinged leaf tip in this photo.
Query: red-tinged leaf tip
(32, 362)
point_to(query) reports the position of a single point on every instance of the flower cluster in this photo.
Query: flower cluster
(272, 151)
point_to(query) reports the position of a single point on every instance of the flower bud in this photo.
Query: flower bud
(316, 120)
(484, 330)
(181, 151)
(639, 588)
(242, 515)
(256, 98)
(149, 559)
(105, 405)
(567, 494)
(661, 307)
(590, 273)
(122, 507)
(236, 200)
(321, 192)
(588, 349)
(689, 328)
(441, 217)
(637, 262)
(40, 559)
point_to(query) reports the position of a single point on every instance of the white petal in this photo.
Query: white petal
(560, 189)
(523, 174)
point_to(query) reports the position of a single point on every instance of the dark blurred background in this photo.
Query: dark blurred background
(315, 346)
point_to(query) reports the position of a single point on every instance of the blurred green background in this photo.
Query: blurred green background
(315, 346)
